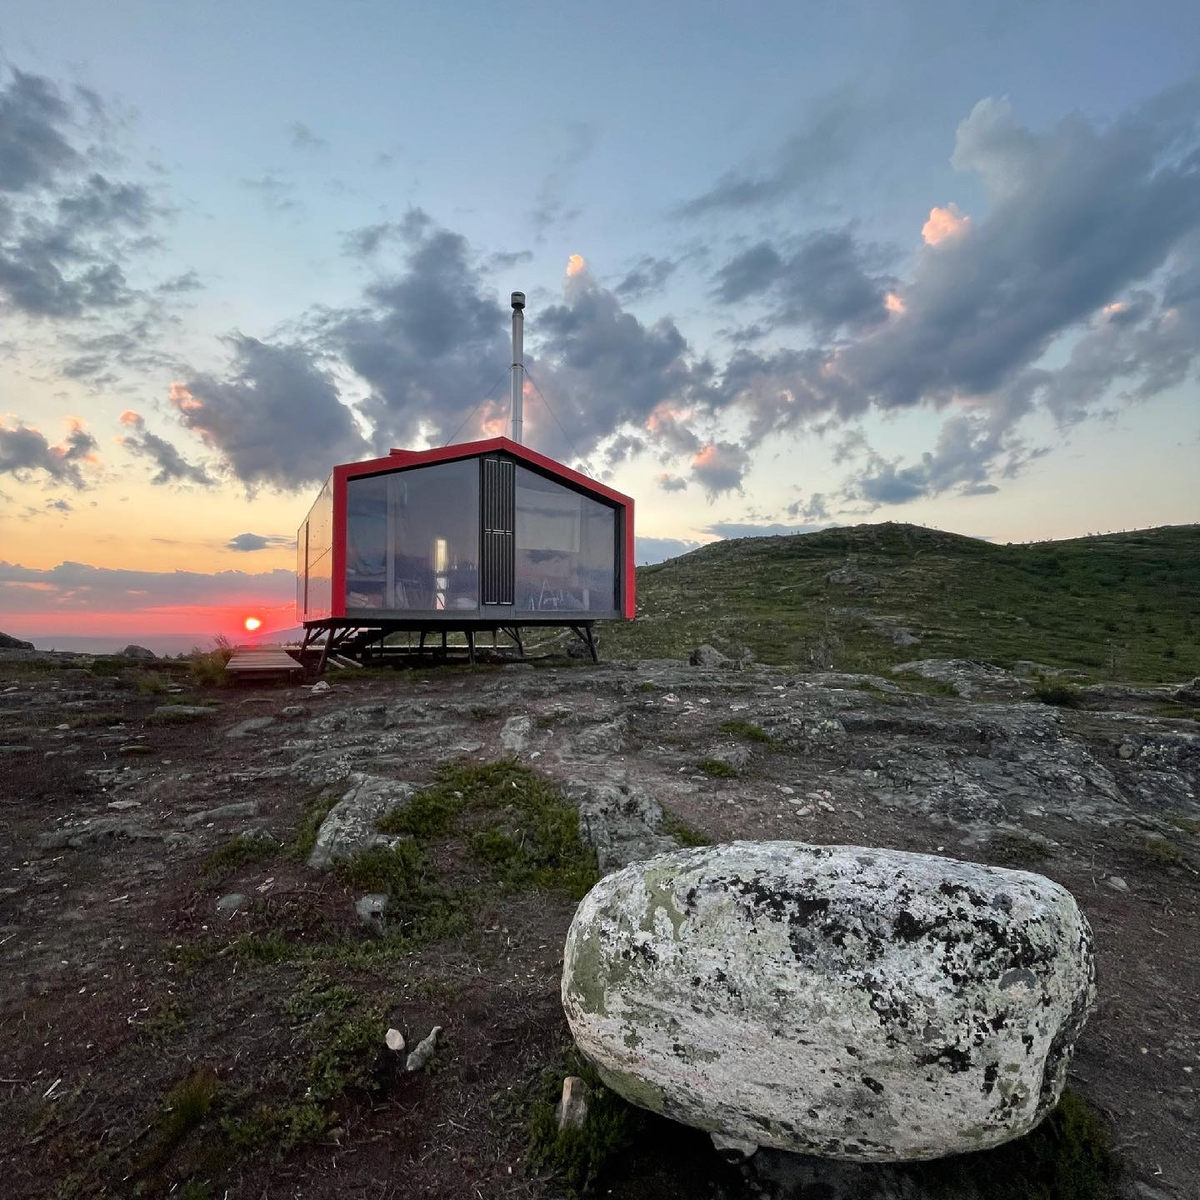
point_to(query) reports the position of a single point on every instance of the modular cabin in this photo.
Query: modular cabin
(481, 536)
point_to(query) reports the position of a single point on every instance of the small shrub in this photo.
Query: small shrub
(717, 768)
(1062, 695)
(208, 666)
(150, 683)
(185, 1107)
(1157, 851)
(1014, 849)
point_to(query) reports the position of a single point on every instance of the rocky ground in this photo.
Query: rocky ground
(192, 999)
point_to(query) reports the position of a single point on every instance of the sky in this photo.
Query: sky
(787, 266)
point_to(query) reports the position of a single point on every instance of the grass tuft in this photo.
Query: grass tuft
(238, 852)
(717, 768)
(580, 1158)
(746, 730)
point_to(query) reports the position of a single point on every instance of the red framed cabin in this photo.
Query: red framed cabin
(481, 536)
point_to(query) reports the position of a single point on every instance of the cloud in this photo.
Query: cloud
(431, 341)
(825, 280)
(944, 223)
(66, 228)
(647, 276)
(303, 138)
(249, 542)
(603, 368)
(505, 260)
(720, 467)
(189, 281)
(24, 451)
(34, 146)
(276, 416)
(171, 466)
(77, 587)
(970, 449)
(829, 135)
(1077, 215)
(279, 195)
(649, 550)
(815, 509)
(671, 483)
(575, 142)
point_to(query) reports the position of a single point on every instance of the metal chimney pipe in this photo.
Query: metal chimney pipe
(518, 365)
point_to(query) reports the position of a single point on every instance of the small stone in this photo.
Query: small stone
(243, 808)
(137, 749)
(231, 903)
(371, 909)
(395, 1040)
(424, 1051)
(320, 687)
(1125, 751)
(250, 725)
(1117, 883)
(732, 1149)
(178, 714)
(293, 710)
(707, 656)
(571, 1110)
(124, 805)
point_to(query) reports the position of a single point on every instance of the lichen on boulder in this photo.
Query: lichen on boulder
(860, 1004)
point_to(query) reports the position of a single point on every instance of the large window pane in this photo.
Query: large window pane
(436, 547)
(412, 539)
(566, 548)
(367, 542)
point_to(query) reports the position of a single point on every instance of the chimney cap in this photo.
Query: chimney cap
(518, 300)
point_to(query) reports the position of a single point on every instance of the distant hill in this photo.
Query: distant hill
(1124, 606)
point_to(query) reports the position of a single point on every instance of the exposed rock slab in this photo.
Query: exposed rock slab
(350, 824)
(621, 822)
(966, 676)
(858, 1004)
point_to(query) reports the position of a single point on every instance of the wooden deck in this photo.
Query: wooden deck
(251, 660)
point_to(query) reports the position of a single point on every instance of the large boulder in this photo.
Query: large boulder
(707, 656)
(8, 642)
(135, 651)
(858, 1004)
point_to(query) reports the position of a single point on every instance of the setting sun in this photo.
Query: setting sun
(251, 624)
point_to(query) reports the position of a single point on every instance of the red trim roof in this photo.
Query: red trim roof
(415, 458)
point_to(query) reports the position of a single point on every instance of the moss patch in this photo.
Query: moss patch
(747, 731)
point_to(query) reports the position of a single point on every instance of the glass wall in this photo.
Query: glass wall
(412, 539)
(565, 548)
(314, 558)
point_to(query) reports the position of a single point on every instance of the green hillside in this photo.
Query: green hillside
(1123, 606)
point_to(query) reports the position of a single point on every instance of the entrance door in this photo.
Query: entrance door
(499, 506)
